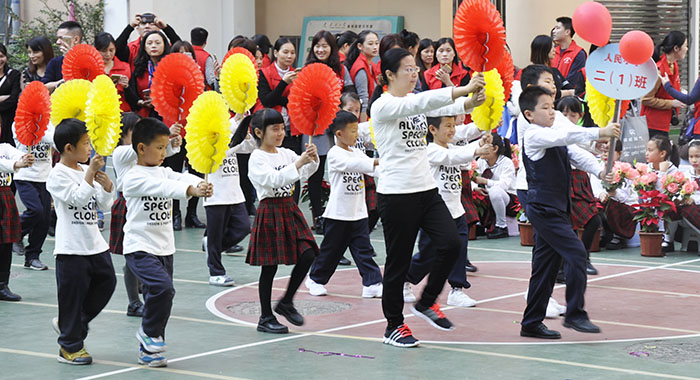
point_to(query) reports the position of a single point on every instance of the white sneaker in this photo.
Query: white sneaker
(408, 296)
(224, 280)
(315, 289)
(554, 309)
(457, 297)
(373, 291)
(54, 324)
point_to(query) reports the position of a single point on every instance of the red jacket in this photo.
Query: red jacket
(133, 50)
(458, 73)
(272, 76)
(201, 57)
(657, 118)
(564, 59)
(121, 68)
(266, 61)
(361, 63)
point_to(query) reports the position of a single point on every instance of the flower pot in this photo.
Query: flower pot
(651, 243)
(595, 245)
(526, 234)
(472, 232)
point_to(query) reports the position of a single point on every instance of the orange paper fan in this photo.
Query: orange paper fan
(177, 82)
(243, 51)
(314, 99)
(507, 71)
(83, 62)
(33, 113)
(479, 35)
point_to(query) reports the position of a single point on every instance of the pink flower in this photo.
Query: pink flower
(633, 174)
(672, 188)
(642, 168)
(689, 187)
(679, 176)
(617, 177)
(625, 167)
(475, 165)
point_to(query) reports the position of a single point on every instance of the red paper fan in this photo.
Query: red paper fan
(33, 113)
(243, 51)
(479, 34)
(83, 62)
(314, 99)
(176, 83)
(507, 71)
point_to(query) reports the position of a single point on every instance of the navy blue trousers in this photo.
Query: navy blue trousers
(227, 225)
(555, 240)
(338, 236)
(85, 284)
(423, 260)
(156, 276)
(36, 218)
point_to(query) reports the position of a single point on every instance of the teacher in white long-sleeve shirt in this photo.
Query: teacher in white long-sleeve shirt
(408, 195)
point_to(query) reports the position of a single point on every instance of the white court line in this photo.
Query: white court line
(210, 305)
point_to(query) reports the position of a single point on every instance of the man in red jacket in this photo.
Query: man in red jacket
(207, 63)
(570, 59)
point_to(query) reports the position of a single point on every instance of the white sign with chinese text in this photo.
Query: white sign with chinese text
(612, 76)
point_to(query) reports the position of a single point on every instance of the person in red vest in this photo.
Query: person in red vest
(344, 41)
(449, 72)
(362, 71)
(207, 62)
(569, 58)
(425, 59)
(143, 24)
(658, 106)
(118, 71)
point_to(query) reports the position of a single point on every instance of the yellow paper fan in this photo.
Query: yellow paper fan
(239, 83)
(488, 115)
(69, 100)
(602, 107)
(208, 132)
(103, 115)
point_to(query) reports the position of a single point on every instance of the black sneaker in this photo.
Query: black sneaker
(590, 269)
(470, 267)
(35, 264)
(344, 261)
(135, 309)
(7, 295)
(400, 337)
(498, 233)
(615, 244)
(234, 249)
(288, 311)
(434, 316)
(18, 248)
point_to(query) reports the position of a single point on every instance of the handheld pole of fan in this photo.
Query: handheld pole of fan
(611, 148)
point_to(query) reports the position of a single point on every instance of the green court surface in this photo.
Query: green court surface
(647, 307)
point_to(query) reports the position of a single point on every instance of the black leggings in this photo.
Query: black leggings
(589, 231)
(267, 276)
(5, 262)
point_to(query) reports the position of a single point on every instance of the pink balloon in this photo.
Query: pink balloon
(636, 47)
(593, 23)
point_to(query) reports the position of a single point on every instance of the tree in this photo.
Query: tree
(89, 15)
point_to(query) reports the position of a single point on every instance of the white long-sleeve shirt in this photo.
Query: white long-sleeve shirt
(445, 169)
(149, 193)
(364, 137)
(400, 126)
(464, 133)
(76, 204)
(346, 169)
(579, 158)
(273, 174)
(39, 171)
(124, 157)
(9, 155)
(227, 177)
(503, 173)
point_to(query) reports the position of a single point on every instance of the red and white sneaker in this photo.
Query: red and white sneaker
(400, 337)
(434, 316)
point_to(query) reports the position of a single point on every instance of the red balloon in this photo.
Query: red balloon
(593, 23)
(636, 47)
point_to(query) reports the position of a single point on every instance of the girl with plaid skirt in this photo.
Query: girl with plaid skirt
(280, 234)
(123, 159)
(11, 160)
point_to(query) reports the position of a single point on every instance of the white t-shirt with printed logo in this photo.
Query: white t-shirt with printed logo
(76, 204)
(149, 193)
(8, 156)
(273, 174)
(42, 152)
(346, 170)
(445, 168)
(400, 126)
(227, 176)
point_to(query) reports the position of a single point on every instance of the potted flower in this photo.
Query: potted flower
(653, 205)
(527, 232)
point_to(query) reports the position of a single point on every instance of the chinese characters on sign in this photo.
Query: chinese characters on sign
(610, 74)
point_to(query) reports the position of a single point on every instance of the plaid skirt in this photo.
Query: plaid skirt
(116, 226)
(280, 233)
(620, 219)
(370, 193)
(10, 226)
(470, 211)
(489, 218)
(583, 203)
(692, 214)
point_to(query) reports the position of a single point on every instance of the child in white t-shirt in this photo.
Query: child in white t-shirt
(149, 241)
(345, 219)
(84, 273)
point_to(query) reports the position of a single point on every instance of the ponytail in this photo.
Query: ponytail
(241, 131)
(672, 39)
(354, 51)
(503, 145)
